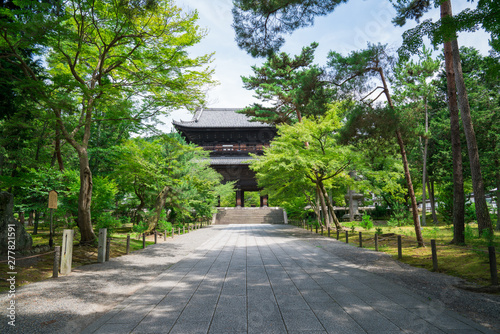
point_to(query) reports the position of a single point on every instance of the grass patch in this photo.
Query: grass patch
(469, 261)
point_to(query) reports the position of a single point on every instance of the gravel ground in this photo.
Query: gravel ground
(440, 288)
(70, 303)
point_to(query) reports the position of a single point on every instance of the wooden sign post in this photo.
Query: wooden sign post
(52, 206)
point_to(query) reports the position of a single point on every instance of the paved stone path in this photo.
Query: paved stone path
(263, 279)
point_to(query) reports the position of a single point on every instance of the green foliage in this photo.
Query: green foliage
(293, 87)
(141, 227)
(380, 211)
(104, 62)
(400, 216)
(163, 224)
(470, 212)
(366, 222)
(290, 168)
(104, 195)
(165, 172)
(485, 16)
(260, 25)
(106, 220)
(104, 190)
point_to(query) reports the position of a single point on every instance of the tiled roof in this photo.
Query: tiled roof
(220, 118)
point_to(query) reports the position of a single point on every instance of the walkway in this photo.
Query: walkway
(263, 279)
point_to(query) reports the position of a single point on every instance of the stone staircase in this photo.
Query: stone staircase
(271, 215)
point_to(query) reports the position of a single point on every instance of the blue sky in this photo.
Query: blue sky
(348, 28)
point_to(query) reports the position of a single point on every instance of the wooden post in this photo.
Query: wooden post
(156, 237)
(434, 255)
(400, 250)
(329, 230)
(321, 229)
(179, 231)
(172, 232)
(346, 237)
(165, 235)
(143, 240)
(108, 246)
(127, 250)
(316, 229)
(493, 265)
(55, 272)
(361, 239)
(51, 238)
(376, 242)
(101, 246)
(338, 234)
(183, 230)
(67, 251)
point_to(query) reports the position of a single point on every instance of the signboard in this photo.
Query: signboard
(52, 199)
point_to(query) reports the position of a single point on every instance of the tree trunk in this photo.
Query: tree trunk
(458, 181)
(430, 190)
(330, 206)
(30, 218)
(324, 209)
(318, 208)
(85, 199)
(37, 219)
(411, 193)
(424, 174)
(482, 214)
(159, 206)
(424, 167)
(57, 149)
(497, 164)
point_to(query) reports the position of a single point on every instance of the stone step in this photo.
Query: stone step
(249, 216)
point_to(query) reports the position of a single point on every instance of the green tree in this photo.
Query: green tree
(412, 94)
(354, 72)
(445, 30)
(167, 174)
(101, 52)
(259, 25)
(294, 87)
(481, 81)
(319, 165)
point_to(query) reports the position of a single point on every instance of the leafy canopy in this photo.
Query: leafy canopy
(294, 87)
(260, 25)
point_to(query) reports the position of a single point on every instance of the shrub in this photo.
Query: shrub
(141, 227)
(380, 211)
(400, 216)
(470, 212)
(106, 220)
(366, 222)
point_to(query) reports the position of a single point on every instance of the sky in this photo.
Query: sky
(348, 28)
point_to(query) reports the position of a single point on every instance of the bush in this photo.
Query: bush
(164, 225)
(366, 222)
(106, 220)
(400, 216)
(141, 227)
(470, 212)
(380, 211)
